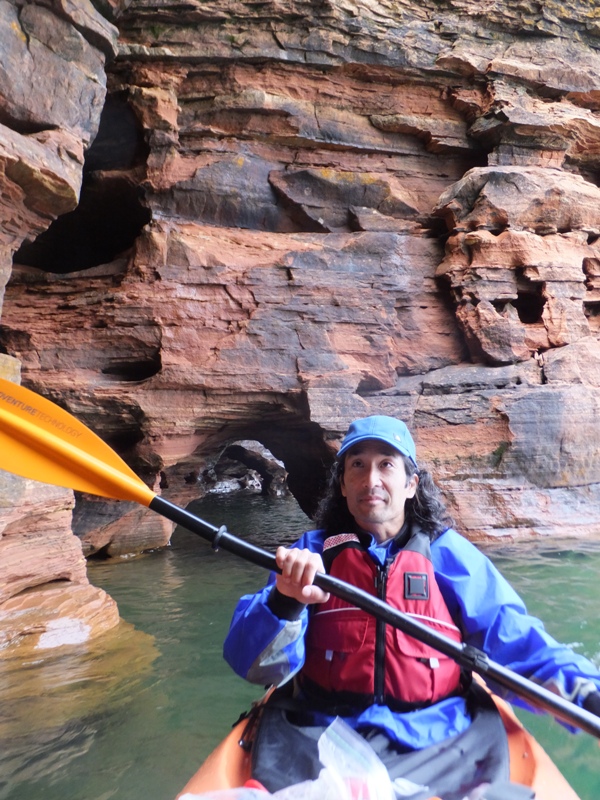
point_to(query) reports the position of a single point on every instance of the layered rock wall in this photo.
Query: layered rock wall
(52, 91)
(297, 213)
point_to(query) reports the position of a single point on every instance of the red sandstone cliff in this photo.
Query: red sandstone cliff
(52, 63)
(296, 213)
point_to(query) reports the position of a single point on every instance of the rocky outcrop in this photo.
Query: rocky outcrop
(52, 94)
(294, 214)
(44, 132)
(246, 466)
(46, 600)
(519, 293)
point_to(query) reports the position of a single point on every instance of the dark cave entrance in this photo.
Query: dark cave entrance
(110, 213)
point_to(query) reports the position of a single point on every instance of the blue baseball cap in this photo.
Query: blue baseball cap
(390, 430)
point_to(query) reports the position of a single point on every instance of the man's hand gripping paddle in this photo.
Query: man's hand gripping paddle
(41, 441)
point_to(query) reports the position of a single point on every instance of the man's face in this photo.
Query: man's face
(376, 488)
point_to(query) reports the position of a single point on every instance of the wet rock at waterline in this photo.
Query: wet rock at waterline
(46, 600)
(55, 615)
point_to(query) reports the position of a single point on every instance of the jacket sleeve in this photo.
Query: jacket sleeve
(494, 619)
(262, 646)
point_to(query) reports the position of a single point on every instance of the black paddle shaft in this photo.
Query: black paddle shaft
(468, 657)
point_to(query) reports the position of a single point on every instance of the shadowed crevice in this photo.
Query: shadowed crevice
(110, 213)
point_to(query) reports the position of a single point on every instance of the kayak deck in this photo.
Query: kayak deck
(228, 766)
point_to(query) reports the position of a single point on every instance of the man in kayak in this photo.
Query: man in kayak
(383, 528)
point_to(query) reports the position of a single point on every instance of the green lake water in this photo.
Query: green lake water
(133, 717)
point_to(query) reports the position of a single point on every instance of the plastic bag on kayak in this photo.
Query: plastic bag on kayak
(351, 770)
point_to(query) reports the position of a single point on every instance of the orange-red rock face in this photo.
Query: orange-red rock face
(237, 327)
(51, 95)
(294, 215)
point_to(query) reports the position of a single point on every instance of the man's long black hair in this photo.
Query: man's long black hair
(426, 509)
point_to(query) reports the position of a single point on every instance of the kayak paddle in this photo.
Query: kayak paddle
(43, 442)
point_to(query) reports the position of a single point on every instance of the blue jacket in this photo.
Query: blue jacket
(267, 650)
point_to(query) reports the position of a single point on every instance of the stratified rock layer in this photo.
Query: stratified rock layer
(52, 92)
(304, 213)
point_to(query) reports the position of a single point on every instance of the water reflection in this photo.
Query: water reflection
(53, 705)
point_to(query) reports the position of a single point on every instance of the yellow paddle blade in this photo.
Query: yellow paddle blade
(40, 440)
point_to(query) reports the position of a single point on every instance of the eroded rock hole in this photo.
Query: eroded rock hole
(530, 305)
(138, 370)
(245, 465)
(530, 300)
(110, 213)
(285, 455)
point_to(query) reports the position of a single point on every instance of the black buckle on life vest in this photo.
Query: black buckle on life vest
(416, 586)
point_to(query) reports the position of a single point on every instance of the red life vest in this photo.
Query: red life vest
(352, 659)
